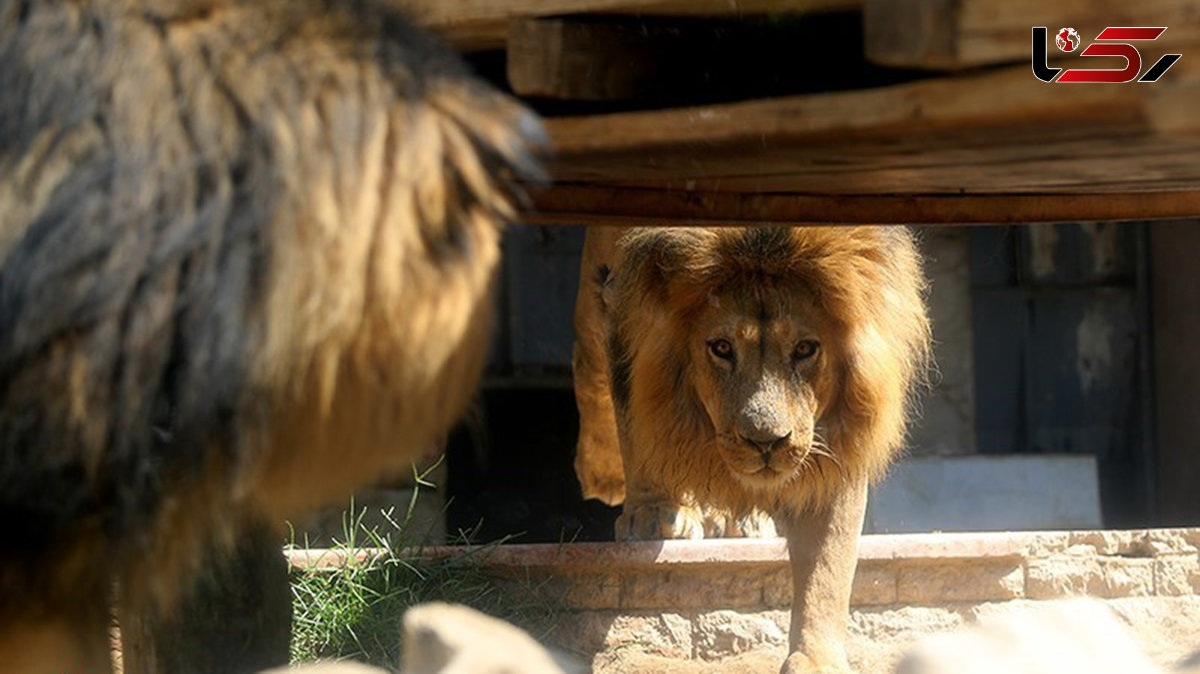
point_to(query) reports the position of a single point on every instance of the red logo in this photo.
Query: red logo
(1112, 41)
(1067, 39)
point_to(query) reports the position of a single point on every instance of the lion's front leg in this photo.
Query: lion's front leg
(598, 461)
(823, 550)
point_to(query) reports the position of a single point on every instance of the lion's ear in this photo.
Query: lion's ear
(652, 259)
(604, 288)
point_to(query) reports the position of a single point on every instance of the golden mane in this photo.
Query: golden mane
(868, 283)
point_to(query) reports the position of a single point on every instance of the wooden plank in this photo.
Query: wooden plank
(593, 205)
(996, 146)
(483, 24)
(574, 60)
(926, 105)
(838, 158)
(997, 175)
(1083, 165)
(955, 34)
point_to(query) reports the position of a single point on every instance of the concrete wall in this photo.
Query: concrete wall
(947, 422)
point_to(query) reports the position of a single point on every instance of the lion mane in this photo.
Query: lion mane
(246, 257)
(866, 281)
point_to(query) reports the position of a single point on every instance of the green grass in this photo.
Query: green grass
(354, 611)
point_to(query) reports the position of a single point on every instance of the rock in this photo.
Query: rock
(448, 639)
(1054, 638)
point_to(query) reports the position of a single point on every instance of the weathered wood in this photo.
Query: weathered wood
(584, 205)
(983, 175)
(559, 58)
(926, 105)
(1010, 161)
(999, 146)
(483, 24)
(953, 34)
(1176, 290)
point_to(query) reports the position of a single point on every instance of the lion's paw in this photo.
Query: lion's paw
(664, 520)
(608, 490)
(660, 521)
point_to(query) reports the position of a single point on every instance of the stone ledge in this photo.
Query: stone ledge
(916, 548)
(904, 569)
(722, 605)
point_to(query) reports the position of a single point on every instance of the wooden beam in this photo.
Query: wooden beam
(484, 24)
(992, 147)
(586, 205)
(954, 34)
(575, 60)
(988, 98)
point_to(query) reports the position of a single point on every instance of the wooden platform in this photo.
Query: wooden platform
(949, 142)
(1000, 147)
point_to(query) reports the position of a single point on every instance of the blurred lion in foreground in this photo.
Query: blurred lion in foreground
(724, 371)
(246, 248)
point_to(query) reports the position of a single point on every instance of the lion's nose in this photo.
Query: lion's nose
(767, 442)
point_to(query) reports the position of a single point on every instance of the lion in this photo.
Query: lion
(751, 369)
(247, 249)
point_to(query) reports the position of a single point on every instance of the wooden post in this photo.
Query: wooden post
(1176, 288)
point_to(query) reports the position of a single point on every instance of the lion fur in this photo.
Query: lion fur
(867, 280)
(246, 253)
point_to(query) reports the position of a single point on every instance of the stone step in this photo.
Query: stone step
(722, 605)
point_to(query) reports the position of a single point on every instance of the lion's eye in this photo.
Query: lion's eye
(721, 348)
(805, 350)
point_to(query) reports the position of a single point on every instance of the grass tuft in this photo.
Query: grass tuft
(354, 611)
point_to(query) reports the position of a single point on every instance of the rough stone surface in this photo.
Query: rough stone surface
(1124, 543)
(930, 583)
(777, 587)
(878, 636)
(723, 633)
(707, 588)
(875, 584)
(1064, 577)
(1177, 575)
(632, 662)
(580, 591)
(907, 587)
(1128, 577)
(667, 635)
(682, 609)
(1166, 628)
(1047, 638)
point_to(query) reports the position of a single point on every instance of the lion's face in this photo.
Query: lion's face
(763, 374)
